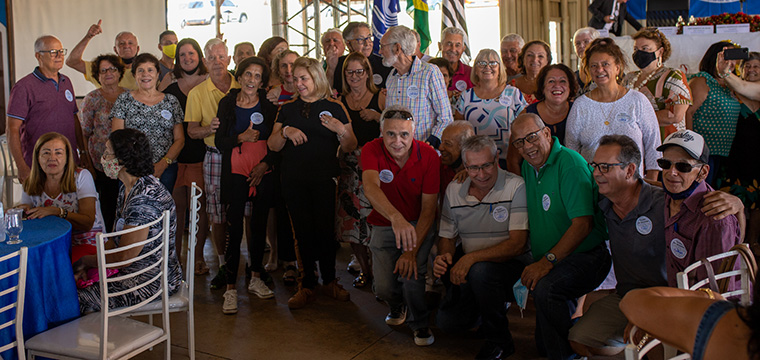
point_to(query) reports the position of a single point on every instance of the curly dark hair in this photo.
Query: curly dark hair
(521, 57)
(654, 34)
(605, 46)
(253, 60)
(707, 64)
(113, 59)
(132, 148)
(571, 81)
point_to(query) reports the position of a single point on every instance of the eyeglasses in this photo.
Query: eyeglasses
(531, 138)
(54, 53)
(363, 40)
(108, 70)
(397, 114)
(489, 63)
(681, 166)
(475, 168)
(605, 167)
(385, 45)
(358, 72)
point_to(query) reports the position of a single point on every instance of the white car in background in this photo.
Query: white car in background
(203, 12)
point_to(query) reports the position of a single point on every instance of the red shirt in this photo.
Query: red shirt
(462, 74)
(402, 186)
(447, 175)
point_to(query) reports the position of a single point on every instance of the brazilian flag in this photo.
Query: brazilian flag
(421, 23)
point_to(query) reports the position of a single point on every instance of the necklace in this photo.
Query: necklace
(614, 106)
(632, 84)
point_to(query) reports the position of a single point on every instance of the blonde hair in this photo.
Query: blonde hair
(483, 55)
(314, 68)
(35, 183)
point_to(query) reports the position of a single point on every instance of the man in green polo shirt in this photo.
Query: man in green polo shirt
(567, 232)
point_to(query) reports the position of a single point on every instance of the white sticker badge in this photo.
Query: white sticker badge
(257, 118)
(166, 114)
(644, 225)
(69, 95)
(546, 202)
(377, 79)
(386, 176)
(624, 118)
(412, 91)
(461, 85)
(505, 100)
(678, 248)
(325, 113)
(500, 214)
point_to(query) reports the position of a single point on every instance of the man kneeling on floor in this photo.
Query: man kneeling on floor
(401, 181)
(488, 211)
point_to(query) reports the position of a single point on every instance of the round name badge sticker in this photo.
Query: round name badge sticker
(624, 118)
(69, 95)
(461, 85)
(325, 113)
(505, 100)
(257, 118)
(678, 248)
(166, 114)
(377, 79)
(120, 225)
(500, 214)
(546, 202)
(644, 225)
(386, 176)
(412, 91)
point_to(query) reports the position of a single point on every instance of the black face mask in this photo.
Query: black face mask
(683, 194)
(128, 61)
(457, 163)
(642, 58)
(191, 71)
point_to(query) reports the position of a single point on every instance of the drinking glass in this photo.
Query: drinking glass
(14, 225)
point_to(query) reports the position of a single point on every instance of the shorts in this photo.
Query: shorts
(602, 325)
(212, 176)
(187, 174)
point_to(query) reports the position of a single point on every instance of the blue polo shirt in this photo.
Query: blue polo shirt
(44, 105)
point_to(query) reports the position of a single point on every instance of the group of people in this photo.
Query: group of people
(538, 167)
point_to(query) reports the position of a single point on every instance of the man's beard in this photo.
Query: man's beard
(390, 61)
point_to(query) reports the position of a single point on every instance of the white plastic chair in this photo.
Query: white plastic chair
(107, 334)
(183, 299)
(18, 305)
(632, 351)
(746, 272)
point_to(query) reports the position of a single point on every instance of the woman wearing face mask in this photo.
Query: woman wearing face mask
(665, 87)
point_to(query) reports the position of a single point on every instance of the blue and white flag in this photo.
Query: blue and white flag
(384, 15)
(704, 8)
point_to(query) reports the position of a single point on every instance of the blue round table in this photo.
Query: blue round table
(51, 293)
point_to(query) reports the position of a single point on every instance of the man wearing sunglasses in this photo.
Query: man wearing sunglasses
(690, 235)
(567, 232)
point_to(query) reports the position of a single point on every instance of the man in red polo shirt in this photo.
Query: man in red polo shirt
(452, 47)
(401, 180)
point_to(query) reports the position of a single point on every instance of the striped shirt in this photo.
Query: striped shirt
(423, 91)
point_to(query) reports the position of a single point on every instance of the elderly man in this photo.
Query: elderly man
(401, 182)
(242, 51)
(202, 104)
(610, 14)
(358, 37)
(452, 47)
(333, 46)
(567, 232)
(125, 46)
(452, 139)
(581, 39)
(41, 102)
(415, 85)
(511, 45)
(488, 212)
(167, 43)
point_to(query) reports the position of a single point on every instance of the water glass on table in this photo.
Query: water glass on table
(14, 225)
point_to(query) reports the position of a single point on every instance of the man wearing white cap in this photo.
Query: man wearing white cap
(690, 234)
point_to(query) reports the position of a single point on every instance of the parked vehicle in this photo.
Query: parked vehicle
(204, 12)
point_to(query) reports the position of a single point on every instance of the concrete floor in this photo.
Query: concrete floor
(326, 329)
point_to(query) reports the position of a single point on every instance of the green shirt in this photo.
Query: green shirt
(562, 190)
(716, 118)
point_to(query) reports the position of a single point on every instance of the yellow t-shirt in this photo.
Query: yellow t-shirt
(202, 103)
(127, 81)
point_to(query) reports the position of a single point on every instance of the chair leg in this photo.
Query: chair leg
(191, 334)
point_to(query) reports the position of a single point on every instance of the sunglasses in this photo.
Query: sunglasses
(397, 114)
(681, 166)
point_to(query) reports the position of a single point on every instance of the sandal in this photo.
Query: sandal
(362, 280)
(201, 268)
(290, 276)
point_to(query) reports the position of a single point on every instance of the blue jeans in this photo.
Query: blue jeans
(556, 295)
(393, 289)
(169, 176)
(483, 297)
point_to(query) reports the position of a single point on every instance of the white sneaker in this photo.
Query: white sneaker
(353, 265)
(260, 289)
(230, 302)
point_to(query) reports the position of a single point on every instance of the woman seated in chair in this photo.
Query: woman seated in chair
(142, 199)
(57, 187)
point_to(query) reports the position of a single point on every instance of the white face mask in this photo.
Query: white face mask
(111, 167)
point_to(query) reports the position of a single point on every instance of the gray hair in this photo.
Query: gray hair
(593, 33)
(514, 37)
(214, 42)
(476, 144)
(629, 151)
(463, 128)
(397, 116)
(333, 30)
(116, 39)
(452, 31)
(404, 37)
(39, 44)
(348, 32)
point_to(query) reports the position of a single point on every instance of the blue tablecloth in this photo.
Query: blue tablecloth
(51, 295)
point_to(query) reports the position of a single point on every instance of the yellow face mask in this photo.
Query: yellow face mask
(169, 50)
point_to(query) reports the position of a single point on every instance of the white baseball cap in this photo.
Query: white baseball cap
(690, 141)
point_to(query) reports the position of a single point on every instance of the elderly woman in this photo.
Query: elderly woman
(142, 199)
(245, 123)
(612, 109)
(156, 114)
(282, 68)
(715, 109)
(581, 39)
(665, 87)
(358, 36)
(364, 103)
(307, 133)
(491, 105)
(96, 125)
(56, 187)
(533, 57)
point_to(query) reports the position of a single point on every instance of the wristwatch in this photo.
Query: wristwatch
(551, 257)
(64, 213)
(168, 161)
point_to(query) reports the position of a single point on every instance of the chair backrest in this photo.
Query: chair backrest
(746, 271)
(636, 351)
(17, 305)
(9, 171)
(161, 277)
(195, 207)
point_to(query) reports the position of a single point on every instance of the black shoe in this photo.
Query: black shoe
(491, 351)
(220, 280)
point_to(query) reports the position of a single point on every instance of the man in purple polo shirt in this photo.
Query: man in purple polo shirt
(452, 46)
(43, 102)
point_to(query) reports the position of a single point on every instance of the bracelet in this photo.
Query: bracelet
(709, 292)
(64, 213)
(283, 132)
(642, 341)
(168, 161)
(343, 134)
(725, 75)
